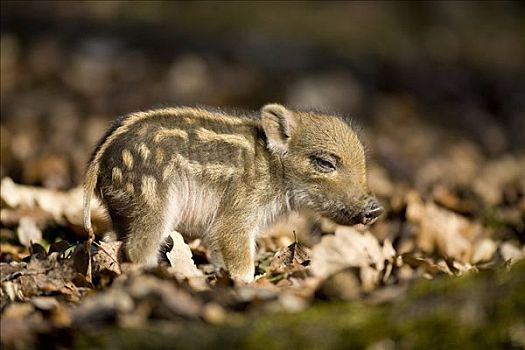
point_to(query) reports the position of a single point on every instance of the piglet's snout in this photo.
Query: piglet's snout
(372, 211)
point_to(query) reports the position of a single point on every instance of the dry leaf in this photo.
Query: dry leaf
(44, 303)
(484, 250)
(59, 247)
(180, 258)
(62, 207)
(509, 252)
(349, 248)
(41, 276)
(428, 266)
(494, 175)
(28, 232)
(104, 306)
(441, 229)
(165, 298)
(107, 258)
(289, 257)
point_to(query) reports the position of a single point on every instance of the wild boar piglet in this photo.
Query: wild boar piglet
(225, 178)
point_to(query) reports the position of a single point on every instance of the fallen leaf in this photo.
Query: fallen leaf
(439, 229)
(495, 174)
(37, 251)
(59, 247)
(28, 232)
(180, 258)
(484, 250)
(349, 248)
(164, 297)
(509, 252)
(289, 257)
(428, 266)
(39, 277)
(81, 260)
(44, 303)
(107, 257)
(102, 307)
(64, 207)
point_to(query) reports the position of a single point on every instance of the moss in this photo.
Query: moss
(331, 326)
(471, 312)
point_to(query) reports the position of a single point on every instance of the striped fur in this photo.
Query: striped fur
(223, 178)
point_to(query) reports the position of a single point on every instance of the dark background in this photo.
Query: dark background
(423, 80)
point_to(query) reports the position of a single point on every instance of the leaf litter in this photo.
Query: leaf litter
(76, 286)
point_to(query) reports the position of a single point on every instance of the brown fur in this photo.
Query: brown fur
(224, 178)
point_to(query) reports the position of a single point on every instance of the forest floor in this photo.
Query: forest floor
(437, 90)
(450, 275)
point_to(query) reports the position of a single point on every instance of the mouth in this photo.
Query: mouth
(348, 218)
(349, 215)
(366, 220)
(345, 217)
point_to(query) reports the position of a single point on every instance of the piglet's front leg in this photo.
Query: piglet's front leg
(236, 244)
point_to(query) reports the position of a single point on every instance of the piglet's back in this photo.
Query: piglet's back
(143, 153)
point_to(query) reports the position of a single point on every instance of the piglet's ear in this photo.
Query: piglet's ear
(279, 126)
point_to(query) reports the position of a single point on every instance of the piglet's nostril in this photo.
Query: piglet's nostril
(372, 212)
(375, 212)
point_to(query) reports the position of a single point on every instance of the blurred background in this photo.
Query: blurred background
(437, 88)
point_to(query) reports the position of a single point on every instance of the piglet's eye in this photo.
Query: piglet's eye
(323, 164)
